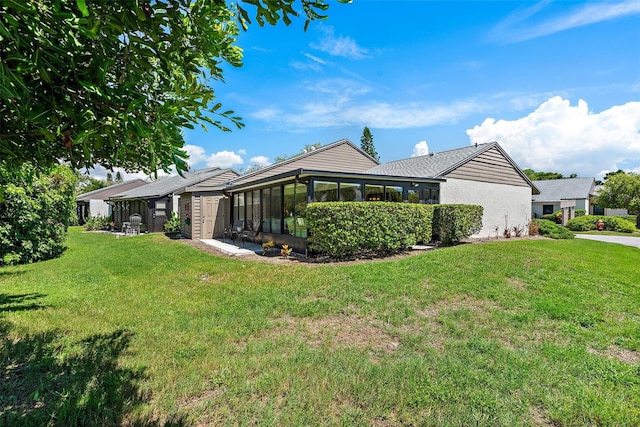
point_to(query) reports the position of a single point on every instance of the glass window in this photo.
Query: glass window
(239, 211)
(276, 209)
(350, 192)
(374, 193)
(256, 209)
(547, 209)
(295, 201)
(161, 205)
(324, 191)
(266, 210)
(413, 196)
(393, 194)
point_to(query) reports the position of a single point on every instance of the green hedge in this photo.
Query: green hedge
(347, 229)
(452, 223)
(551, 229)
(611, 223)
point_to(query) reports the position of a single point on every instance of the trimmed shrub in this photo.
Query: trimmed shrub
(580, 212)
(551, 229)
(452, 223)
(35, 211)
(611, 223)
(631, 218)
(555, 217)
(348, 229)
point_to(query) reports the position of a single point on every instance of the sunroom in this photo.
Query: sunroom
(273, 208)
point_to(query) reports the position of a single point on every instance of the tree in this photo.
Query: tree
(35, 210)
(87, 184)
(366, 144)
(541, 176)
(621, 190)
(306, 149)
(114, 83)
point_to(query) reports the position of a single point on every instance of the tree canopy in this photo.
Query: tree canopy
(541, 176)
(366, 143)
(621, 190)
(114, 83)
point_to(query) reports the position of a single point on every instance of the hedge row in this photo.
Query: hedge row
(611, 223)
(347, 229)
(452, 223)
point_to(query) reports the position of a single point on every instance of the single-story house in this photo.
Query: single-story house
(157, 200)
(95, 203)
(273, 197)
(566, 194)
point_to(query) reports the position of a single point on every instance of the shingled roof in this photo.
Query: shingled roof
(552, 190)
(170, 184)
(432, 165)
(105, 193)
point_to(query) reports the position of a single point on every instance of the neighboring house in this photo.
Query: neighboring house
(566, 194)
(157, 200)
(95, 203)
(274, 197)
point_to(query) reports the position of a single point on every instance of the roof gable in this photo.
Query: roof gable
(105, 193)
(478, 162)
(564, 189)
(340, 156)
(170, 184)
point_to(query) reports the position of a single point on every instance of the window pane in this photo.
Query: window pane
(301, 205)
(289, 205)
(266, 210)
(413, 196)
(435, 196)
(393, 194)
(350, 192)
(276, 209)
(239, 214)
(161, 205)
(324, 191)
(256, 209)
(374, 192)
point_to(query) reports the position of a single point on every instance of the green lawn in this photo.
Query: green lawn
(147, 331)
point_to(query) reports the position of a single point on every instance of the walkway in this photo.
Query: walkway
(249, 248)
(622, 240)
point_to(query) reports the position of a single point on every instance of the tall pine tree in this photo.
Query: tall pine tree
(366, 144)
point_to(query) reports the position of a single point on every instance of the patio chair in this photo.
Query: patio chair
(135, 221)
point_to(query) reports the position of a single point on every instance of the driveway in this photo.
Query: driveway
(622, 240)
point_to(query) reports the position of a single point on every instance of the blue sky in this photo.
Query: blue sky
(556, 83)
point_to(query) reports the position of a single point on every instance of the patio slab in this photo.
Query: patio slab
(248, 248)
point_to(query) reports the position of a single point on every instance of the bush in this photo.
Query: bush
(611, 223)
(173, 224)
(631, 218)
(347, 229)
(35, 211)
(452, 223)
(554, 217)
(580, 212)
(98, 222)
(551, 229)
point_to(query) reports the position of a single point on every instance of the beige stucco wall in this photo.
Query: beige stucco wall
(502, 203)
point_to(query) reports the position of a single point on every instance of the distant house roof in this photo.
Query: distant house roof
(552, 190)
(105, 193)
(170, 184)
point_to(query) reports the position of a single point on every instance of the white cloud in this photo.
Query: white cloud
(513, 29)
(378, 115)
(568, 139)
(242, 151)
(260, 160)
(196, 154)
(224, 159)
(420, 149)
(339, 45)
(315, 59)
(267, 113)
(304, 66)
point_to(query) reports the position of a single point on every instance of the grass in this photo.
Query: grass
(147, 331)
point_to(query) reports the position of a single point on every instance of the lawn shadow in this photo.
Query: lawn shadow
(20, 302)
(47, 383)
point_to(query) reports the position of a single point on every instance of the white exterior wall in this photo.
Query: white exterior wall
(99, 208)
(501, 203)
